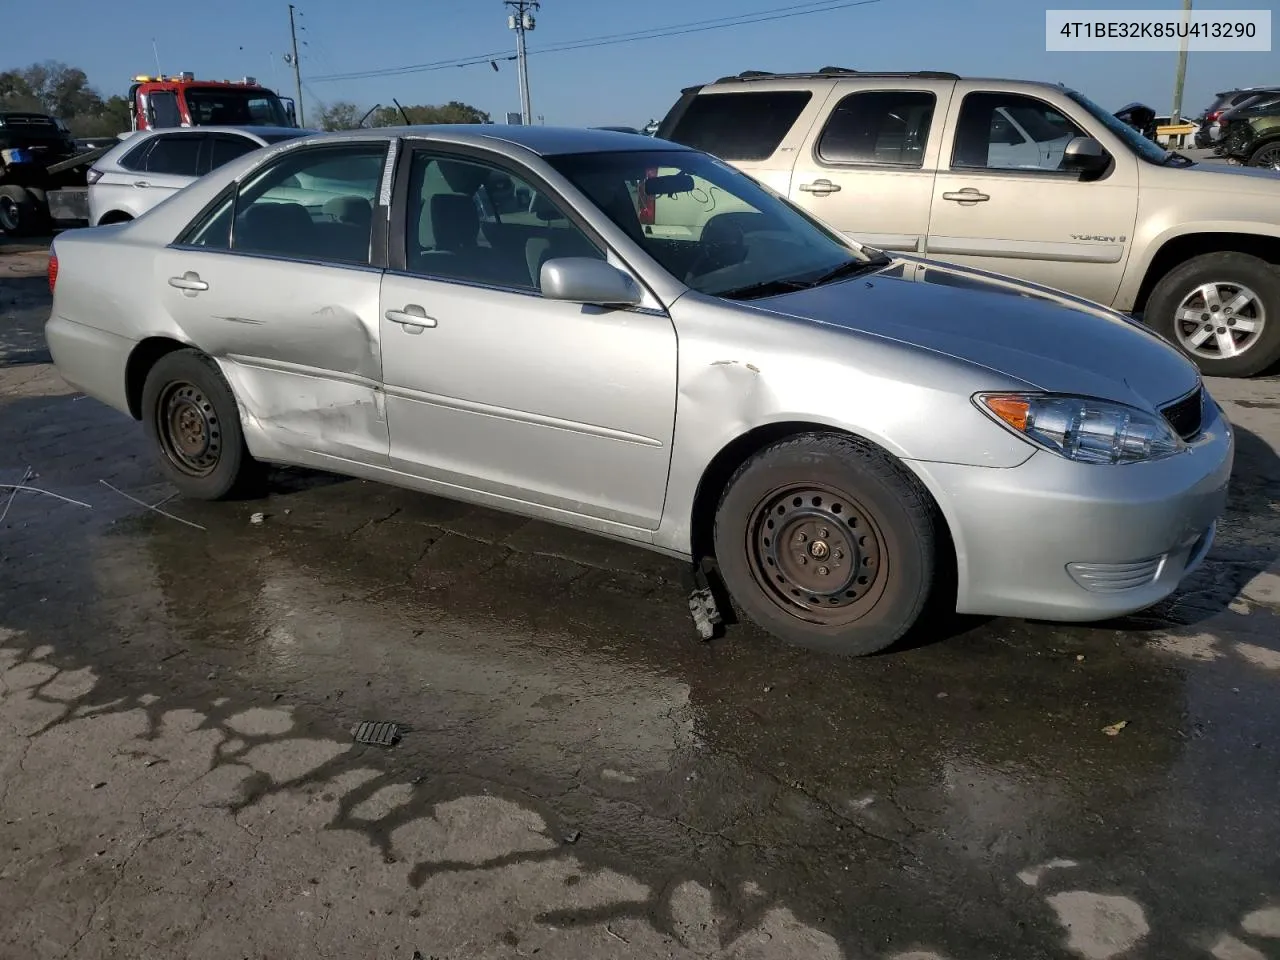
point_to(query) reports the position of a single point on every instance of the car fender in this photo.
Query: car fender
(1150, 246)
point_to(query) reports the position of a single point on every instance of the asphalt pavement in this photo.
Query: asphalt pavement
(576, 775)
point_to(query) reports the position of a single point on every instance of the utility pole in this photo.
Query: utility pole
(522, 20)
(297, 68)
(1176, 116)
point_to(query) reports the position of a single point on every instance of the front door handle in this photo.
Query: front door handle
(142, 183)
(967, 195)
(413, 318)
(190, 283)
(820, 188)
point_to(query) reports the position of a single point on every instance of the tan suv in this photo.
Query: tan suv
(1030, 180)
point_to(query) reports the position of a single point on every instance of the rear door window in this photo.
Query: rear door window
(175, 156)
(740, 126)
(224, 149)
(879, 127)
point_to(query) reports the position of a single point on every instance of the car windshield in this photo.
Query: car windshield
(216, 106)
(1146, 149)
(711, 226)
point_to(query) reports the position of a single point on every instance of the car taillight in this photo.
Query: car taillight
(648, 204)
(53, 270)
(93, 176)
(1212, 116)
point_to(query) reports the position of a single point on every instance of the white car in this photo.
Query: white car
(150, 166)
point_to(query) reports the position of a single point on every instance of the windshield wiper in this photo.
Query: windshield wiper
(1179, 158)
(769, 288)
(851, 268)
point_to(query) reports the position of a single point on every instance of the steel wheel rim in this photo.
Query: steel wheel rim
(1219, 320)
(10, 215)
(787, 553)
(190, 434)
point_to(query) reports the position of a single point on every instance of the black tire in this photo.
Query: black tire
(193, 423)
(1267, 155)
(17, 210)
(1257, 351)
(877, 518)
(115, 216)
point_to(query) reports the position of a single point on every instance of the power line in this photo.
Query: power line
(655, 33)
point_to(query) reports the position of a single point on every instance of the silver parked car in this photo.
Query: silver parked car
(843, 432)
(148, 167)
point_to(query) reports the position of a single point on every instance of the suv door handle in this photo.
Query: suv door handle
(967, 195)
(189, 282)
(820, 188)
(142, 183)
(413, 318)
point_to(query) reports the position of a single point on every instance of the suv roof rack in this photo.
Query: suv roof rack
(836, 72)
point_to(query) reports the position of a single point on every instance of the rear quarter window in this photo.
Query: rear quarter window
(740, 126)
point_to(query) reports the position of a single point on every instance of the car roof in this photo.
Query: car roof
(544, 141)
(252, 130)
(831, 75)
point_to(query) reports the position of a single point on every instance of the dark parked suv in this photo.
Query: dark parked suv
(1209, 130)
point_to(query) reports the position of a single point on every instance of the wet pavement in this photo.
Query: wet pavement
(578, 775)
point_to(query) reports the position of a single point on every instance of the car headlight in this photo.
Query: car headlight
(1083, 429)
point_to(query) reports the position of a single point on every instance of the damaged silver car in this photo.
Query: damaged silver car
(632, 338)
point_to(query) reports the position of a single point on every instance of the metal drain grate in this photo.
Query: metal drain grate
(378, 734)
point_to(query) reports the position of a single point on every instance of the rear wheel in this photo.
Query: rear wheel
(828, 543)
(17, 210)
(191, 418)
(1223, 311)
(1267, 155)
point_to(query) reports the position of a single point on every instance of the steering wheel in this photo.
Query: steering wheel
(711, 251)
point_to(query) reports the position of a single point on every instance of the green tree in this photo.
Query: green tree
(340, 115)
(452, 112)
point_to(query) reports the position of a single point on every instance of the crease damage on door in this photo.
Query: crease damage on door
(314, 386)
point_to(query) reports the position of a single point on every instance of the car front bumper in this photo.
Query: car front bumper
(1058, 540)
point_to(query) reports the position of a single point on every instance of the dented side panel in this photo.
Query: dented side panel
(298, 342)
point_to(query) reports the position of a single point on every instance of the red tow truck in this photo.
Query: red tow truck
(181, 100)
(43, 179)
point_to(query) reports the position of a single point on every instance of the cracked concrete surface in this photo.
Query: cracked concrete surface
(579, 777)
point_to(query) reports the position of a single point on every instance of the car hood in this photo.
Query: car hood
(1253, 180)
(1042, 337)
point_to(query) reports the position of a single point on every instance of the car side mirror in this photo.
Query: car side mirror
(1086, 155)
(590, 281)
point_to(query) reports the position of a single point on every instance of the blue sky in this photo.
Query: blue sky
(625, 83)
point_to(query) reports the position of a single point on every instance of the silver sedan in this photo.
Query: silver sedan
(625, 336)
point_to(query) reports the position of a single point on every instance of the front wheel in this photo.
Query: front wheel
(192, 420)
(827, 543)
(1223, 311)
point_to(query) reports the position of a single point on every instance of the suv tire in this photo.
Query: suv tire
(1199, 325)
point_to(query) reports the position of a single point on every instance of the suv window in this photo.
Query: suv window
(1005, 131)
(175, 156)
(882, 126)
(477, 223)
(315, 204)
(740, 126)
(224, 149)
(136, 159)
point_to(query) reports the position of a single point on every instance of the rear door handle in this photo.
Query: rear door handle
(413, 318)
(189, 282)
(967, 195)
(820, 188)
(142, 183)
